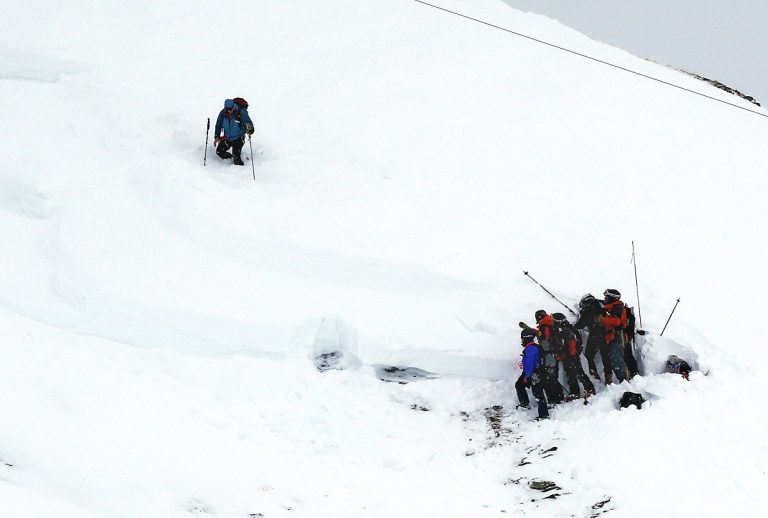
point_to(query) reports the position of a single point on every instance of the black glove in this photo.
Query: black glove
(249, 128)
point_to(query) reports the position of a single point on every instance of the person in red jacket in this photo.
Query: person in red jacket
(614, 322)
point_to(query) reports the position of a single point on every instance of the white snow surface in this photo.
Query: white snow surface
(158, 318)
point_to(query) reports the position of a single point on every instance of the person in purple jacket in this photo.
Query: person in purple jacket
(530, 376)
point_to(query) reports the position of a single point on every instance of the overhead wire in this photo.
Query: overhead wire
(564, 49)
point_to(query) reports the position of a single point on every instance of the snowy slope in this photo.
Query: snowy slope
(158, 317)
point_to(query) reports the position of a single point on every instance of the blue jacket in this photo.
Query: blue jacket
(232, 119)
(530, 359)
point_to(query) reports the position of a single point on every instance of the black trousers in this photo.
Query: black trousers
(629, 357)
(574, 372)
(237, 147)
(550, 379)
(594, 344)
(538, 393)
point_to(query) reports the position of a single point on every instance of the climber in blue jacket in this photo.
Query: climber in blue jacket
(530, 376)
(235, 122)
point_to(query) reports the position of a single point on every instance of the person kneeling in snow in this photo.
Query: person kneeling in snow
(530, 376)
(676, 365)
(235, 122)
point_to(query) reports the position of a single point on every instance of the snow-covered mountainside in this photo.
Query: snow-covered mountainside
(161, 321)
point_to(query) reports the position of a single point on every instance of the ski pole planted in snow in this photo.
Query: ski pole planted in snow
(550, 293)
(253, 168)
(207, 129)
(670, 317)
(637, 289)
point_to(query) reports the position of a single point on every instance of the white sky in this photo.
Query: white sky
(720, 40)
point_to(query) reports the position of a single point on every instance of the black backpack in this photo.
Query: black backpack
(631, 322)
(547, 352)
(563, 331)
(577, 337)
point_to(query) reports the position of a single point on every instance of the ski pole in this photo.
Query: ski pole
(207, 129)
(670, 317)
(637, 289)
(550, 293)
(253, 168)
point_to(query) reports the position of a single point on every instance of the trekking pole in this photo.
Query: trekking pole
(550, 293)
(207, 129)
(670, 317)
(637, 289)
(253, 168)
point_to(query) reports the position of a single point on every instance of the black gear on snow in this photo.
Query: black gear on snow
(631, 398)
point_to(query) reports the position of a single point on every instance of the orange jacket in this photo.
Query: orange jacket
(545, 327)
(616, 318)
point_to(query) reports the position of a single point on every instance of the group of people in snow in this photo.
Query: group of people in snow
(606, 326)
(232, 125)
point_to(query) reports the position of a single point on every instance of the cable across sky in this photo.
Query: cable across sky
(624, 69)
